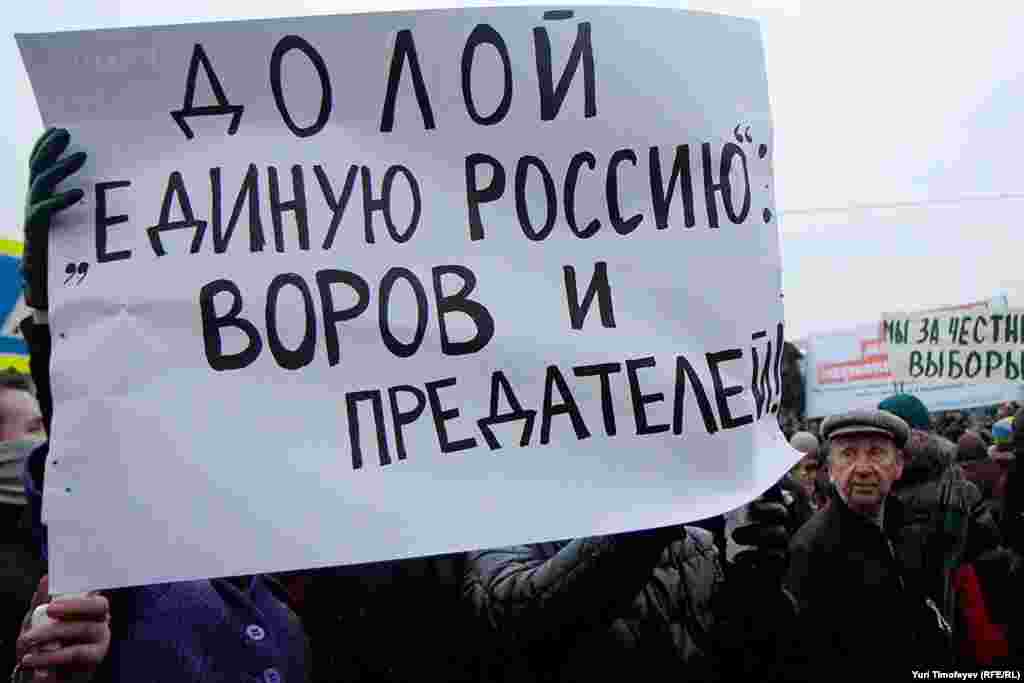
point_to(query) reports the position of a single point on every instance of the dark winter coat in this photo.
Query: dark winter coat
(637, 606)
(856, 610)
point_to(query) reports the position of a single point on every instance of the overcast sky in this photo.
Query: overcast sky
(873, 103)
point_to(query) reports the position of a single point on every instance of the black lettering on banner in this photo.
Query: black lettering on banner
(400, 349)
(767, 388)
(333, 316)
(370, 204)
(500, 383)
(522, 208)
(889, 329)
(661, 195)
(460, 302)
(297, 206)
(282, 48)
(571, 179)
(640, 400)
(997, 321)
(954, 328)
(176, 191)
(441, 416)
(933, 367)
(485, 34)
(964, 322)
(1013, 329)
(956, 370)
(302, 355)
(337, 205)
(405, 48)
(414, 189)
(551, 97)
(722, 392)
(603, 371)
(993, 362)
(406, 417)
(475, 196)
(684, 372)
(924, 331)
(892, 330)
(724, 184)
(611, 191)
(975, 358)
(249, 194)
(1013, 370)
(352, 409)
(188, 107)
(599, 287)
(779, 348)
(566, 407)
(916, 364)
(755, 382)
(933, 335)
(104, 221)
(212, 325)
(980, 321)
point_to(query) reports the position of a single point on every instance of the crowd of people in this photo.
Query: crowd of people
(893, 544)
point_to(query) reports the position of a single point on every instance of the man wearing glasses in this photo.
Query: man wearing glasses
(859, 617)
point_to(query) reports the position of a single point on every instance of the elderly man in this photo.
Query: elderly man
(857, 611)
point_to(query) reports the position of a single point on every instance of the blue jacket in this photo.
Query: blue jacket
(221, 630)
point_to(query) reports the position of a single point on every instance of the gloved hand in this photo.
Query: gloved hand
(46, 171)
(756, 616)
(766, 536)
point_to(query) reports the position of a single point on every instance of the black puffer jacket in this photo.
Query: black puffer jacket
(625, 607)
(945, 521)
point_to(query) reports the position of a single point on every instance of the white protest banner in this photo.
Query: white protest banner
(976, 346)
(379, 286)
(850, 370)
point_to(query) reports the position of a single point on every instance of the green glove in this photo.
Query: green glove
(46, 171)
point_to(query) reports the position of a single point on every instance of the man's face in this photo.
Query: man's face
(864, 467)
(805, 472)
(19, 415)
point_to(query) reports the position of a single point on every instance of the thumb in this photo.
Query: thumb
(42, 594)
(38, 598)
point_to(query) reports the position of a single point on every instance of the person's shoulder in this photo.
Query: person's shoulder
(695, 545)
(695, 556)
(816, 531)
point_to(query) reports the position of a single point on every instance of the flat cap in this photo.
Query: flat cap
(867, 422)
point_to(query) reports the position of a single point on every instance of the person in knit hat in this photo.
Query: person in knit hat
(806, 470)
(986, 473)
(1002, 437)
(805, 442)
(1008, 409)
(1013, 495)
(946, 524)
(910, 409)
(970, 447)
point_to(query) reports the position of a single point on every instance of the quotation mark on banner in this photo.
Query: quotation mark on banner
(73, 269)
(762, 151)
